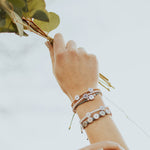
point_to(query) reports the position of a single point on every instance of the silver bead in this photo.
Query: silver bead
(108, 112)
(96, 116)
(84, 124)
(77, 97)
(102, 108)
(88, 114)
(85, 96)
(90, 90)
(90, 120)
(102, 113)
(91, 97)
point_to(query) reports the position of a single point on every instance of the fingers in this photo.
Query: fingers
(71, 45)
(51, 50)
(59, 44)
(105, 145)
(82, 51)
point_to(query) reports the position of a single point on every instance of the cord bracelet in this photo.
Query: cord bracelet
(85, 97)
(90, 117)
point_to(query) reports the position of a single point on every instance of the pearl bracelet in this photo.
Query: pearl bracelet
(94, 115)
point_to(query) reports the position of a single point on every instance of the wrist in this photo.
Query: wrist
(78, 91)
(90, 106)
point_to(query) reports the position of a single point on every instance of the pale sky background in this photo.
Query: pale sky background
(35, 113)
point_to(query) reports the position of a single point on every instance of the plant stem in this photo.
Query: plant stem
(37, 29)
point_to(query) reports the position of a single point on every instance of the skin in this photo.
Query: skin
(75, 71)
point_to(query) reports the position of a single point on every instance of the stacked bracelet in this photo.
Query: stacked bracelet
(85, 97)
(94, 115)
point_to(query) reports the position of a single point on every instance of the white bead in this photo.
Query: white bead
(77, 97)
(90, 90)
(102, 108)
(96, 116)
(91, 97)
(108, 112)
(88, 114)
(102, 113)
(85, 96)
(84, 124)
(90, 119)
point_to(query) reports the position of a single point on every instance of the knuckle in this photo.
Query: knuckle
(73, 53)
(60, 56)
(81, 48)
(93, 57)
(70, 42)
(57, 35)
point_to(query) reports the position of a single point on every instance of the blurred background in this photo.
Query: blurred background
(35, 113)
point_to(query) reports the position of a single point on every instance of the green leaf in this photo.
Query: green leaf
(12, 11)
(2, 17)
(13, 19)
(17, 3)
(9, 26)
(40, 15)
(2, 14)
(18, 21)
(51, 25)
(32, 6)
(18, 6)
(25, 8)
(2, 22)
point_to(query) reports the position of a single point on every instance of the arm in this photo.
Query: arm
(76, 71)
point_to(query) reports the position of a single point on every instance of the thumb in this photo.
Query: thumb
(51, 50)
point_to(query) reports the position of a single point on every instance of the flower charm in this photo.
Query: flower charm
(96, 116)
(85, 96)
(108, 112)
(88, 114)
(102, 113)
(77, 97)
(102, 108)
(90, 120)
(91, 97)
(84, 124)
(90, 90)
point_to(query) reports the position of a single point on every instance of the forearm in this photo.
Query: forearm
(103, 129)
(76, 71)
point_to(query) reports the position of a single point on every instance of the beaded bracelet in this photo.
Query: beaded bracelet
(87, 96)
(77, 97)
(94, 115)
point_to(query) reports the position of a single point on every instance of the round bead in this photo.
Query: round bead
(90, 89)
(96, 116)
(108, 112)
(102, 108)
(84, 124)
(88, 114)
(102, 113)
(85, 96)
(77, 97)
(91, 97)
(90, 119)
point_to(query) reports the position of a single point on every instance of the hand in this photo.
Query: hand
(74, 69)
(105, 145)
